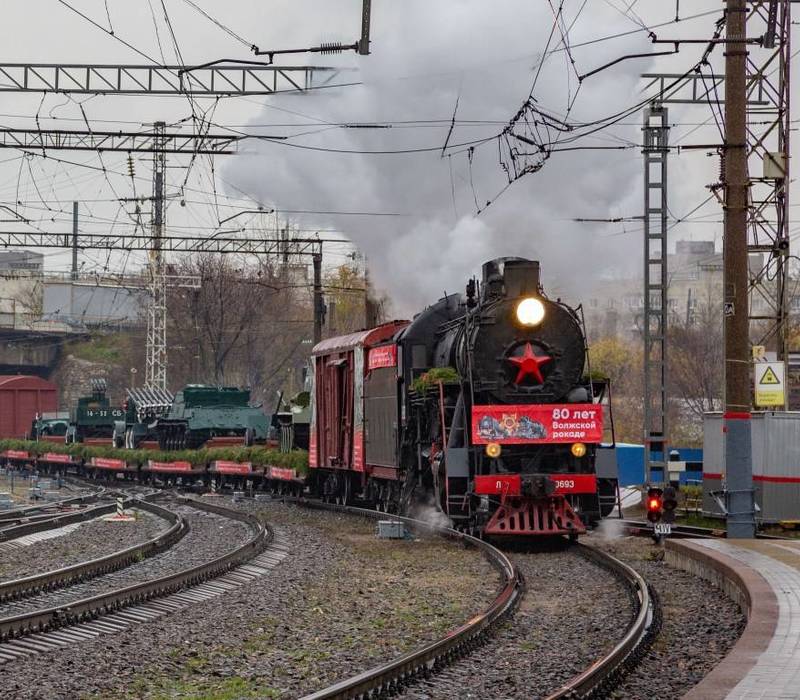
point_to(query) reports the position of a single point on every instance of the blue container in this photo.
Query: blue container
(630, 463)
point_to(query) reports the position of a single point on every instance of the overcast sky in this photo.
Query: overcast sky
(426, 56)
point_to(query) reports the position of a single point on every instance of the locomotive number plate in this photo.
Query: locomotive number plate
(662, 528)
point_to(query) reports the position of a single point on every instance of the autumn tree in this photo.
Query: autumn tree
(620, 362)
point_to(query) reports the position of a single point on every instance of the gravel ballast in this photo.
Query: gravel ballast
(209, 536)
(572, 612)
(92, 539)
(341, 602)
(700, 626)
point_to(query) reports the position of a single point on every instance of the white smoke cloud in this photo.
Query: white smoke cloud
(425, 56)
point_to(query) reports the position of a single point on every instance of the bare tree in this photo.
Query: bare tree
(244, 325)
(696, 357)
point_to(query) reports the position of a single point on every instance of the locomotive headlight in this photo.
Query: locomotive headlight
(530, 311)
(578, 449)
(493, 450)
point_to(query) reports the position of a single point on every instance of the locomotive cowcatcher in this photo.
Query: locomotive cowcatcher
(482, 407)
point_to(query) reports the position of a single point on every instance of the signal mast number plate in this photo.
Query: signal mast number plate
(662, 528)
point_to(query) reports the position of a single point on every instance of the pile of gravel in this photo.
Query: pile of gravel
(92, 539)
(341, 602)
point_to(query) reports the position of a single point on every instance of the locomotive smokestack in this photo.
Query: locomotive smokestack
(521, 277)
(493, 278)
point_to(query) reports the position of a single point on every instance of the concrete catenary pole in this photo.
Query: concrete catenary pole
(738, 447)
(74, 273)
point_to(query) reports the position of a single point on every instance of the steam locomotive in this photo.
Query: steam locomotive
(481, 407)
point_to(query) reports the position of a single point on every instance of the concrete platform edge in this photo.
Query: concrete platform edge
(750, 591)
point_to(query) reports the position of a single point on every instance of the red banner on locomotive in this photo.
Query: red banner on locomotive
(533, 424)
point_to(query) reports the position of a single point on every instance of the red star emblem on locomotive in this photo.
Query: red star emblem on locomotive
(529, 363)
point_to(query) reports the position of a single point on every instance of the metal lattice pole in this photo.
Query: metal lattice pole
(767, 99)
(656, 309)
(156, 365)
(768, 128)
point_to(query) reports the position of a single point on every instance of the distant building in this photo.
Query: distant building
(91, 305)
(17, 260)
(695, 273)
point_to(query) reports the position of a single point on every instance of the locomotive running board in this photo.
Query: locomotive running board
(523, 516)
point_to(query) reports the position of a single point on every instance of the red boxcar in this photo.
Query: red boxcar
(337, 436)
(21, 398)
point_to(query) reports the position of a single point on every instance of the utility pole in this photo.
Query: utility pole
(74, 273)
(319, 303)
(738, 447)
(156, 363)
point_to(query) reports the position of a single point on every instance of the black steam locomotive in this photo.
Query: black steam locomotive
(481, 405)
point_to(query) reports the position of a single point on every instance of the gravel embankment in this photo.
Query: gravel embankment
(341, 602)
(209, 536)
(93, 539)
(701, 624)
(572, 612)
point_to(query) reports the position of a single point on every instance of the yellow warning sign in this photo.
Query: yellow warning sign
(769, 384)
(769, 377)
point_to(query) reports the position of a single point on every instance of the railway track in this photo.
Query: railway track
(641, 527)
(48, 628)
(600, 677)
(58, 578)
(9, 516)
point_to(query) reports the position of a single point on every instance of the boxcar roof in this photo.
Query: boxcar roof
(25, 381)
(365, 338)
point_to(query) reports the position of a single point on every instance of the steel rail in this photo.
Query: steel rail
(58, 578)
(599, 678)
(602, 676)
(73, 500)
(641, 527)
(55, 521)
(390, 676)
(90, 608)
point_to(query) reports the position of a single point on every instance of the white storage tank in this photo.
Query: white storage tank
(776, 463)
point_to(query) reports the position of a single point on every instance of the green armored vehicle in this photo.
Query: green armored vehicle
(93, 416)
(202, 414)
(144, 407)
(50, 425)
(291, 422)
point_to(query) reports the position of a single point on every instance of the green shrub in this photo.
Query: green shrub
(259, 455)
(446, 375)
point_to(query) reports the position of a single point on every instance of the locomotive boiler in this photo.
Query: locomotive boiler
(482, 406)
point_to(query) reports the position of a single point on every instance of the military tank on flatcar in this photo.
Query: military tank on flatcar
(201, 413)
(93, 416)
(144, 407)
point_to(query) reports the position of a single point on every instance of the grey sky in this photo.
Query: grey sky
(425, 55)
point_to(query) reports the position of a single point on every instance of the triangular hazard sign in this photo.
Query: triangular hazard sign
(769, 377)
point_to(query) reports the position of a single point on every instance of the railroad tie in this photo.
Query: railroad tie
(120, 620)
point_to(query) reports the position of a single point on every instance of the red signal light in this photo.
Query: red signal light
(654, 504)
